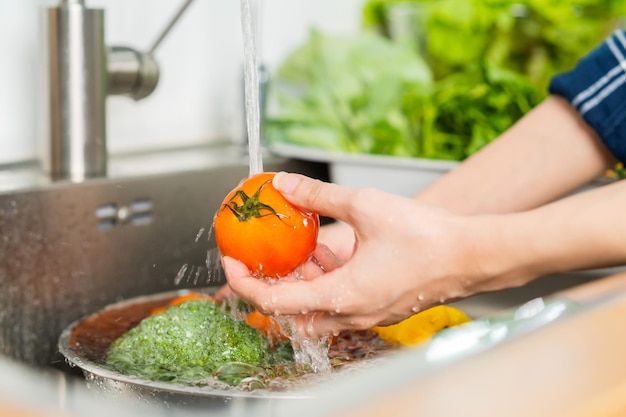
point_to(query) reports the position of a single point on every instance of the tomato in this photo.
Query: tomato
(259, 227)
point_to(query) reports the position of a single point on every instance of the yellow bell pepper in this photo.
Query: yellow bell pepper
(421, 326)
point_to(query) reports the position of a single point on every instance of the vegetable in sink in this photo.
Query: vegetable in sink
(193, 341)
(188, 342)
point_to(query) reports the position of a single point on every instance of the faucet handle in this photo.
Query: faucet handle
(131, 73)
(134, 73)
(169, 27)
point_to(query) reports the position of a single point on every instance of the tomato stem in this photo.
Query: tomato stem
(251, 207)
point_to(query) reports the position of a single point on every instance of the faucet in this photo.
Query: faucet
(81, 72)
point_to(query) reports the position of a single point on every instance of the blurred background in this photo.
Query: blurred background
(478, 66)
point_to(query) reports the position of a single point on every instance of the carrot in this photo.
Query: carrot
(181, 299)
(266, 325)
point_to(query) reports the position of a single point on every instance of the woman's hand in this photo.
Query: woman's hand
(408, 256)
(339, 238)
(396, 256)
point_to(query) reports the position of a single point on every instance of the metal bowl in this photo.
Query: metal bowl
(85, 344)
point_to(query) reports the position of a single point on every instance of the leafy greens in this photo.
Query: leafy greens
(356, 94)
(473, 68)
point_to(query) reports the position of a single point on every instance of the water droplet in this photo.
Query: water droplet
(200, 233)
(274, 299)
(415, 309)
(420, 297)
(181, 274)
(336, 301)
(303, 311)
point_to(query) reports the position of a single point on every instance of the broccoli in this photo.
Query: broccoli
(188, 342)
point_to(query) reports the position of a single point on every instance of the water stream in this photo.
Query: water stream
(309, 353)
(251, 85)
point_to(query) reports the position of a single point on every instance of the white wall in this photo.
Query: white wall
(199, 94)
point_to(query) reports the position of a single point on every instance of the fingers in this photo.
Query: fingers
(321, 261)
(319, 324)
(326, 259)
(340, 239)
(315, 195)
(273, 298)
(270, 298)
(314, 305)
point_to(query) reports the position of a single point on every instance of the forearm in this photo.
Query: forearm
(547, 154)
(580, 232)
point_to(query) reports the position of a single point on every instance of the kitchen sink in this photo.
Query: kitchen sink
(69, 249)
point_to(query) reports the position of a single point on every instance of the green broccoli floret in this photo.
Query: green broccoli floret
(186, 343)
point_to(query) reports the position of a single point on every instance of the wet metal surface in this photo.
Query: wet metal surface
(67, 250)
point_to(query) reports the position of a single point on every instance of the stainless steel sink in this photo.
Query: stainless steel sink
(68, 249)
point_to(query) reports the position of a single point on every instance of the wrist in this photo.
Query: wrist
(504, 254)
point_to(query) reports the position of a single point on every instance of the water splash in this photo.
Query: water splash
(197, 274)
(313, 354)
(310, 354)
(200, 233)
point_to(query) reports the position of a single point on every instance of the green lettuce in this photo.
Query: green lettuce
(468, 72)
(355, 94)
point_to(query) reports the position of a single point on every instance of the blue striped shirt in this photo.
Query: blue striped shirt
(596, 88)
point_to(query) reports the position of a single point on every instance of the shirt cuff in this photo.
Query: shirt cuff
(596, 88)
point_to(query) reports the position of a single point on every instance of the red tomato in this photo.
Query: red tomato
(259, 227)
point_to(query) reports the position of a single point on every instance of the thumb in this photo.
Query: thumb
(320, 197)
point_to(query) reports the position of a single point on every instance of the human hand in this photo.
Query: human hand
(339, 238)
(408, 256)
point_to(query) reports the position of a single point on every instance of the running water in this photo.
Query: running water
(311, 354)
(251, 87)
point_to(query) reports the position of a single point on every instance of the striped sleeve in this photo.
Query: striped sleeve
(596, 88)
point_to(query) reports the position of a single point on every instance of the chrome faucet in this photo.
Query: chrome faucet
(81, 72)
